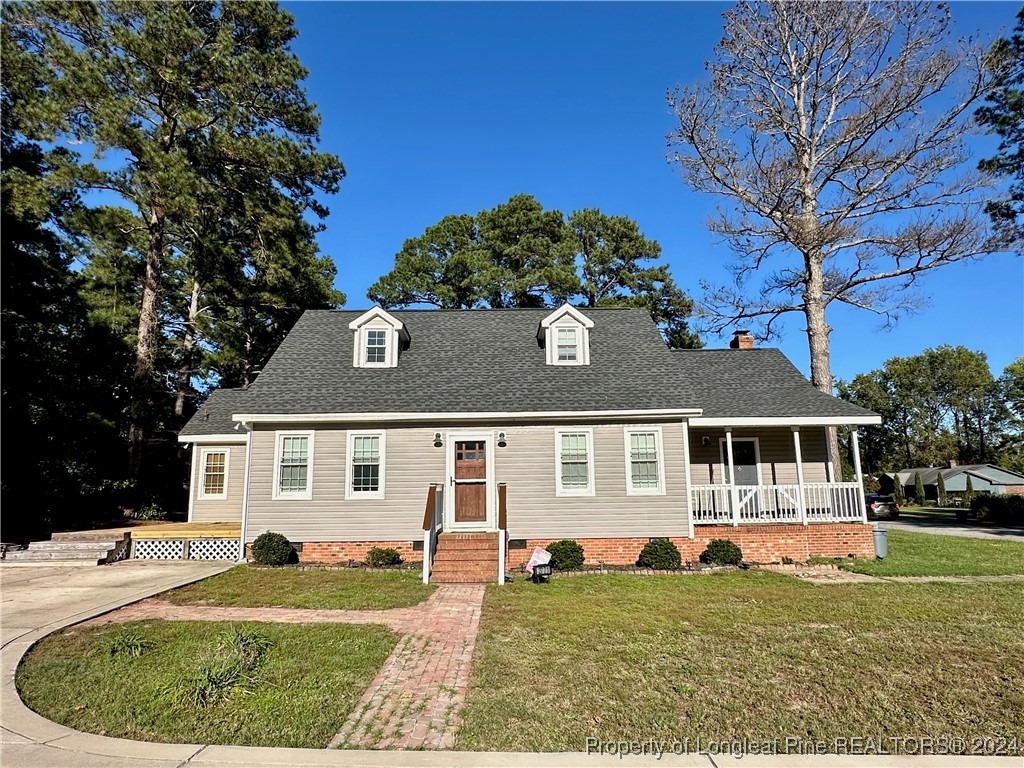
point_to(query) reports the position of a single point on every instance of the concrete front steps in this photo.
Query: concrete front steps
(466, 558)
(81, 549)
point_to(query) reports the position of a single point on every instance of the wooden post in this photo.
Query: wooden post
(855, 443)
(686, 475)
(801, 498)
(734, 498)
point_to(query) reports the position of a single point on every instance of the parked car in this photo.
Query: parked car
(881, 507)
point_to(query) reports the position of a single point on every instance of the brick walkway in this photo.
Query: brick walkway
(415, 700)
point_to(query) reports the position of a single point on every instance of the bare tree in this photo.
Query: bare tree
(840, 184)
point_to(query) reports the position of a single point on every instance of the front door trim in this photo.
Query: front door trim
(725, 458)
(490, 522)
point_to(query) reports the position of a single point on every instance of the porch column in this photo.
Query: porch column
(734, 499)
(801, 500)
(686, 475)
(855, 443)
(830, 470)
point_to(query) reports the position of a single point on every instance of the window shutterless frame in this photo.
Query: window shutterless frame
(365, 459)
(204, 460)
(279, 443)
(659, 461)
(587, 434)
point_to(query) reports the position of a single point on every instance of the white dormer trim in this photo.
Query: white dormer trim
(566, 318)
(379, 321)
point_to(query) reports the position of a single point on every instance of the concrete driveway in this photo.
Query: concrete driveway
(39, 600)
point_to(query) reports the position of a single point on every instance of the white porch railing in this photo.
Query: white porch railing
(433, 515)
(723, 504)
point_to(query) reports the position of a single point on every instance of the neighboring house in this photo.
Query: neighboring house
(985, 478)
(507, 429)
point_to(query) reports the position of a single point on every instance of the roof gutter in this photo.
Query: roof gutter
(786, 421)
(481, 416)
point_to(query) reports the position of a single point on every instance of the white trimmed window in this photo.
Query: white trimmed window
(645, 470)
(293, 471)
(365, 465)
(376, 346)
(568, 346)
(213, 480)
(574, 459)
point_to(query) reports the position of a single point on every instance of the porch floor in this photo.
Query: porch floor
(159, 531)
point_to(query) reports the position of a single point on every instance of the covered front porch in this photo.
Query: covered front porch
(758, 473)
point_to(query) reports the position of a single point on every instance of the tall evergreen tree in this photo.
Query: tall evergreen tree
(151, 87)
(941, 484)
(919, 488)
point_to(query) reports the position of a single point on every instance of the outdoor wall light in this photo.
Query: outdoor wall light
(501, 440)
(437, 440)
(705, 441)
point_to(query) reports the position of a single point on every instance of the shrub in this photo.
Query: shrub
(999, 509)
(661, 555)
(787, 560)
(566, 555)
(129, 644)
(381, 557)
(272, 549)
(150, 512)
(721, 552)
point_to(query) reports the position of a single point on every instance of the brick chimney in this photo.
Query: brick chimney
(741, 339)
(952, 463)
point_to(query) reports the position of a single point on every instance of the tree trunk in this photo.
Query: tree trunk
(145, 347)
(188, 343)
(818, 344)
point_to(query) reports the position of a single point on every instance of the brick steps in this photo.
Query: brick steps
(465, 558)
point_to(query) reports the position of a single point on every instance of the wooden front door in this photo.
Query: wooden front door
(470, 481)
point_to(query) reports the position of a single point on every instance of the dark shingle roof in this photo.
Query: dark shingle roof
(462, 361)
(214, 417)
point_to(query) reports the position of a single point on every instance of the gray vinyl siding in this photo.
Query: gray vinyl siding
(778, 458)
(216, 511)
(411, 464)
(527, 467)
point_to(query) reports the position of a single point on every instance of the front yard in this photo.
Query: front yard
(297, 695)
(923, 554)
(742, 655)
(351, 589)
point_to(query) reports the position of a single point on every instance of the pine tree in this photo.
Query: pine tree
(941, 482)
(897, 488)
(969, 494)
(919, 488)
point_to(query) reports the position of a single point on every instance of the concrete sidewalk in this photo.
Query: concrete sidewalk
(39, 601)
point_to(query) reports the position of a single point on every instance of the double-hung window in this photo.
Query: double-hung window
(294, 469)
(376, 347)
(644, 463)
(574, 458)
(366, 465)
(568, 346)
(213, 482)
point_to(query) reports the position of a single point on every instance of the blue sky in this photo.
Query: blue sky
(453, 108)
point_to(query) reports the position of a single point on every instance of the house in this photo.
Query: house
(985, 478)
(475, 435)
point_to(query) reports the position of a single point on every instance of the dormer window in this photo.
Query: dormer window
(376, 347)
(565, 336)
(378, 338)
(568, 347)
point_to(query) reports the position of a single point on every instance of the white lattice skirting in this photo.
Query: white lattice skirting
(176, 549)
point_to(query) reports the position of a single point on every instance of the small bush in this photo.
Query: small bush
(787, 560)
(661, 555)
(381, 557)
(248, 644)
(150, 512)
(721, 552)
(999, 509)
(128, 644)
(272, 549)
(566, 555)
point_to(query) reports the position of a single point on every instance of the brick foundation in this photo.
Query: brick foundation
(759, 543)
(332, 552)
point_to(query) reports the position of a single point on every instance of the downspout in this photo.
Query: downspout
(245, 494)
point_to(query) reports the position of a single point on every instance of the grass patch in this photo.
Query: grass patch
(284, 685)
(924, 554)
(246, 587)
(746, 655)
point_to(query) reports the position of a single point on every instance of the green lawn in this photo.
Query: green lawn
(245, 587)
(747, 655)
(925, 554)
(299, 695)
